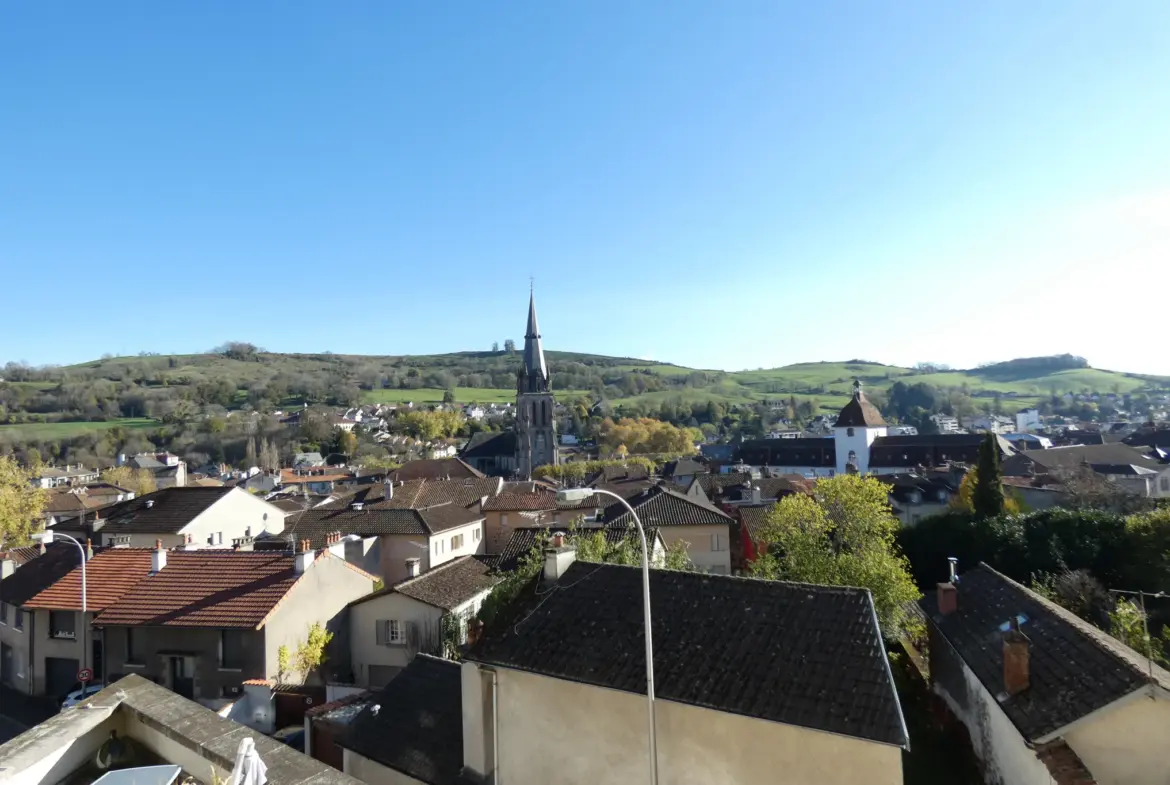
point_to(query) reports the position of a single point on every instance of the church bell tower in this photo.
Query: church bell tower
(536, 443)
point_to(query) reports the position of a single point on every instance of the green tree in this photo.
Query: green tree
(449, 395)
(345, 443)
(310, 655)
(987, 498)
(843, 535)
(141, 481)
(510, 346)
(21, 504)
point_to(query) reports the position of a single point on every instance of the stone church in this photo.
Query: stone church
(532, 442)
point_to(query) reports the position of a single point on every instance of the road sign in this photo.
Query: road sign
(84, 675)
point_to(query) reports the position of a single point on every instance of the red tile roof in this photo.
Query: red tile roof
(236, 589)
(108, 576)
(510, 502)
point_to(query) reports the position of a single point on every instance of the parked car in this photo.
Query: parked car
(77, 696)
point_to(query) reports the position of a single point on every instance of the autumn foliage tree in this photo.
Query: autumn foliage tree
(141, 481)
(843, 534)
(21, 503)
(643, 435)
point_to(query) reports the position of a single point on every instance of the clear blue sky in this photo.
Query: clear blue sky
(716, 184)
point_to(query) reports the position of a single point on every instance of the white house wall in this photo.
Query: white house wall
(559, 731)
(232, 516)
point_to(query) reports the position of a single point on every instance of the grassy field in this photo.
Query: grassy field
(462, 395)
(67, 430)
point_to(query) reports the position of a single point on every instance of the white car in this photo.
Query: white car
(77, 696)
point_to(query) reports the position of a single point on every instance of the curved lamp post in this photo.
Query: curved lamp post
(573, 495)
(47, 537)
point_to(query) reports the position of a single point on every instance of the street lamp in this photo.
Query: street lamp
(574, 495)
(47, 537)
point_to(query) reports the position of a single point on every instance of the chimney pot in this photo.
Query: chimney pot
(158, 559)
(1016, 660)
(558, 540)
(948, 598)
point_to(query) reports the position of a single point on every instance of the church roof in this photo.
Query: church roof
(859, 413)
(533, 352)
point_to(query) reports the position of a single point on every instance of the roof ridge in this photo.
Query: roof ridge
(1147, 669)
(431, 571)
(741, 578)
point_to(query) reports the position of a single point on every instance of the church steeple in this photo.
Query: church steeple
(534, 366)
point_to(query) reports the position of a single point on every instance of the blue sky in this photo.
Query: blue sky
(731, 185)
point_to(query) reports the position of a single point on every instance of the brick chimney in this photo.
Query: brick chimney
(948, 593)
(158, 559)
(304, 557)
(1016, 660)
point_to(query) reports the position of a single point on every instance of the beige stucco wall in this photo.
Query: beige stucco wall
(1126, 745)
(319, 596)
(373, 773)
(45, 646)
(698, 539)
(560, 731)
(500, 525)
(363, 641)
(395, 549)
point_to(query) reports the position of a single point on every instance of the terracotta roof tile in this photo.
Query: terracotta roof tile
(546, 500)
(109, 575)
(39, 574)
(235, 589)
(436, 469)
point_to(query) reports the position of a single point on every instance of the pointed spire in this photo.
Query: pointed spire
(533, 352)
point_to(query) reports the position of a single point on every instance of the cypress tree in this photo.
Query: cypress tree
(987, 496)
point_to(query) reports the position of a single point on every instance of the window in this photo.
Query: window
(19, 617)
(457, 542)
(131, 654)
(231, 649)
(718, 542)
(436, 547)
(3, 613)
(389, 633)
(62, 624)
(504, 520)
(476, 535)
(1165, 483)
(848, 431)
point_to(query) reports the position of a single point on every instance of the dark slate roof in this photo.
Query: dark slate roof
(814, 452)
(1075, 668)
(659, 506)
(617, 474)
(524, 538)
(1147, 438)
(315, 524)
(683, 467)
(417, 727)
(859, 413)
(935, 449)
(487, 444)
(753, 517)
(40, 573)
(716, 482)
(165, 511)
(435, 469)
(795, 653)
(418, 494)
(447, 586)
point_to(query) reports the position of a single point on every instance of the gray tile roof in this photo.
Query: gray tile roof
(660, 506)
(447, 586)
(1071, 458)
(754, 517)
(418, 494)
(716, 482)
(435, 469)
(315, 524)
(417, 728)
(525, 538)
(1075, 668)
(795, 653)
(488, 444)
(165, 511)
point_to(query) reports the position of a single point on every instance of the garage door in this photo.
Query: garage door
(60, 676)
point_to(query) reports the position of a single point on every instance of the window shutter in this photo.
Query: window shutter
(381, 632)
